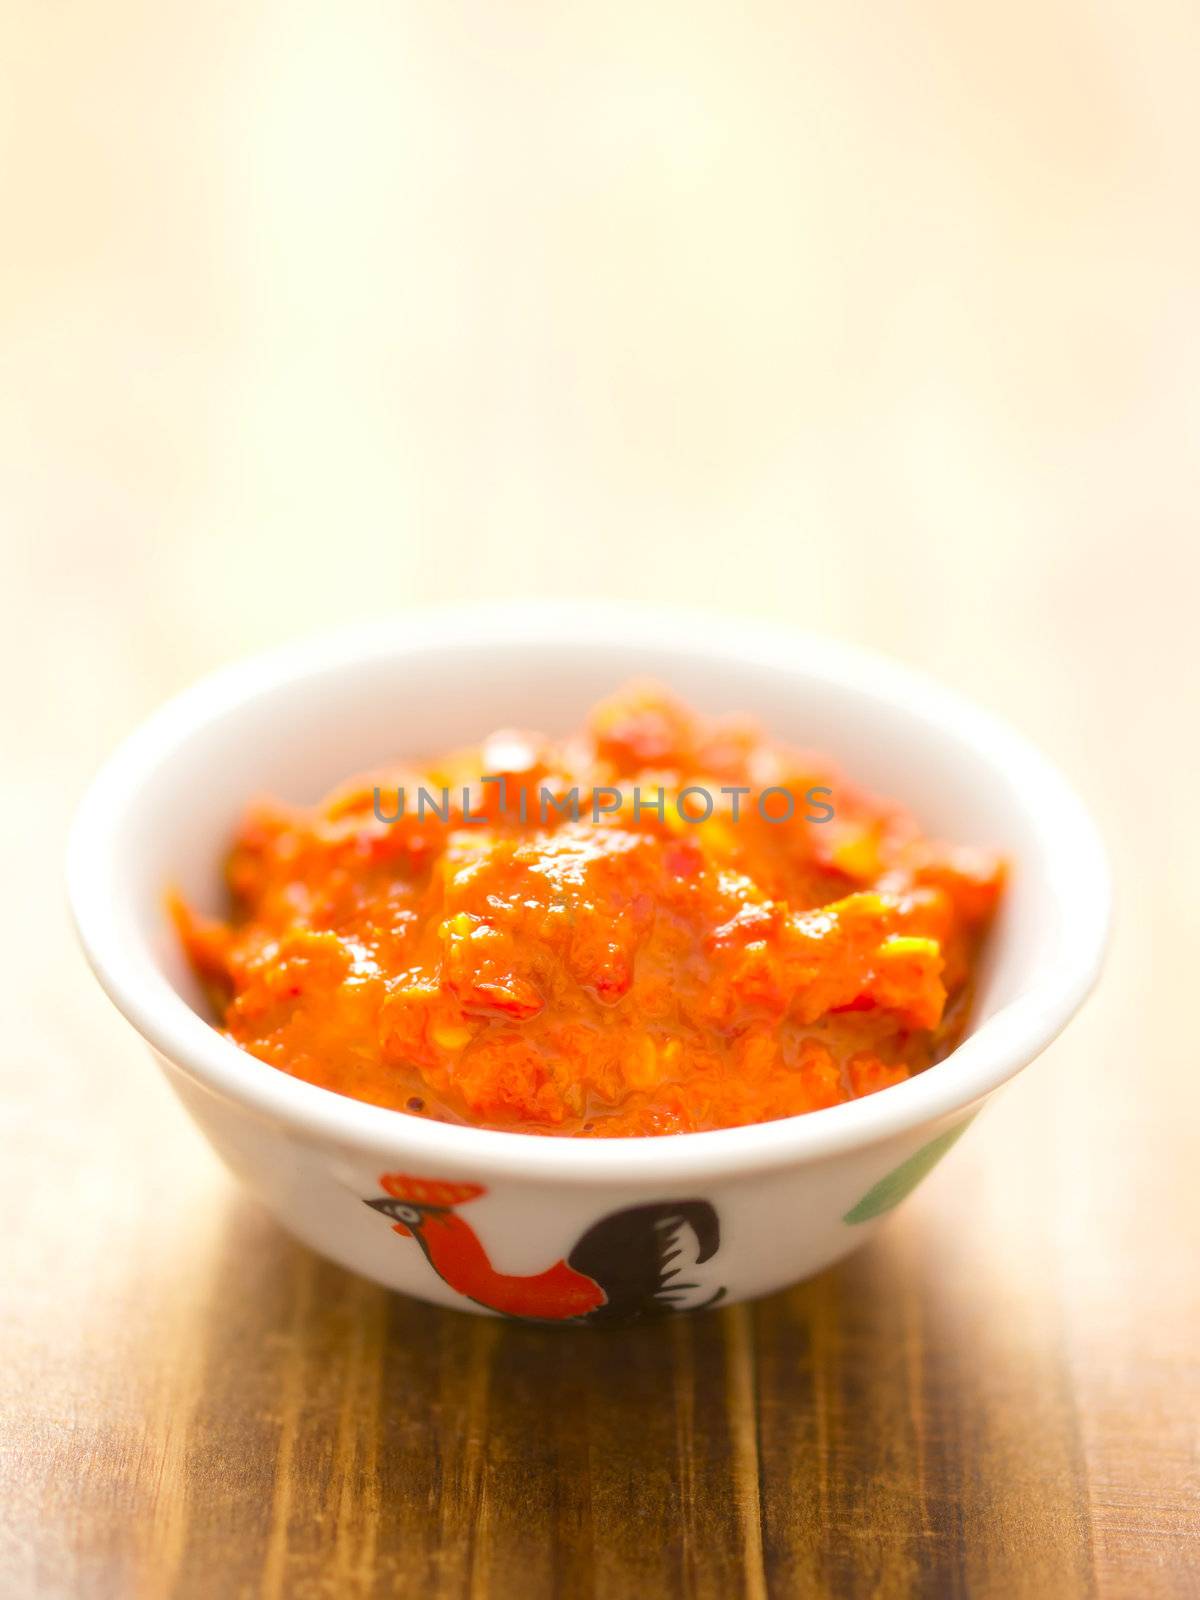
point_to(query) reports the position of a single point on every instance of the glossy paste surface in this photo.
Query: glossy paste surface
(507, 956)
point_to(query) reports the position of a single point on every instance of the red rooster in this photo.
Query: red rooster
(628, 1266)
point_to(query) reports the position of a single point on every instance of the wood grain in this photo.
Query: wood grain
(881, 321)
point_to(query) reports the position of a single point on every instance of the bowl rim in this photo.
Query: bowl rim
(992, 1052)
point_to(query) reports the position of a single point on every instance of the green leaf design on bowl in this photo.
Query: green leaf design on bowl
(902, 1180)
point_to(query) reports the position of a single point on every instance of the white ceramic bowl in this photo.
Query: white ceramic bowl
(487, 1220)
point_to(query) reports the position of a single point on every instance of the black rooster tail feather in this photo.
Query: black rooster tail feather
(632, 1254)
(714, 1299)
(702, 1220)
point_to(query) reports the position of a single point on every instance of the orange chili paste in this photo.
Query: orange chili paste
(493, 959)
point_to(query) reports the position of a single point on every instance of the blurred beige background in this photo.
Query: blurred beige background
(882, 320)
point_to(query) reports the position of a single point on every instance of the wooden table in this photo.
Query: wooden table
(882, 324)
